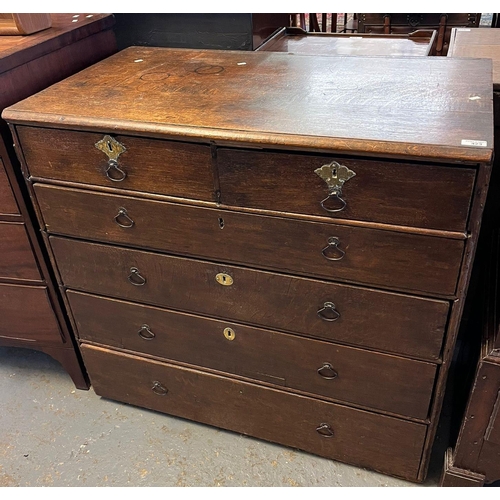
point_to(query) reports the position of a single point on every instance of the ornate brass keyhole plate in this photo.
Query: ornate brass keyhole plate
(110, 147)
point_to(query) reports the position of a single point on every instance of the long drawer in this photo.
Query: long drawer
(26, 314)
(390, 259)
(8, 205)
(154, 166)
(398, 323)
(386, 444)
(16, 256)
(369, 379)
(427, 196)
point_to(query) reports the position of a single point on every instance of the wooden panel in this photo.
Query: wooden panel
(153, 166)
(378, 257)
(381, 191)
(275, 99)
(26, 314)
(369, 440)
(493, 430)
(481, 403)
(17, 260)
(398, 323)
(369, 379)
(348, 44)
(8, 203)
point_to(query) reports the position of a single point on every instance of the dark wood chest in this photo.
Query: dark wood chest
(30, 311)
(235, 250)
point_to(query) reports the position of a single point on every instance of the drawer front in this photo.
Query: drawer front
(26, 314)
(359, 255)
(17, 260)
(398, 323)
(427, 196)
(155, 166)
(369, 379)
(8, 205)
(386, 444)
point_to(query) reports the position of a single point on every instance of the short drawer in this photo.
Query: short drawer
(366, 439)
(399, 323)
(26, 314)
(151, 165)
(369, 379)
(8, 205)
(405, 194)
(17, 260)
(389, 259)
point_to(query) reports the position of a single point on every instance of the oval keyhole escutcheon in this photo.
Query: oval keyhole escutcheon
(224, 279)
(229, 333)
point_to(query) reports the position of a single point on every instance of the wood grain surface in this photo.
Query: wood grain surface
(366, 439)
(389, 259)
(259, 298)
(369, 379)
(17, 260)
(8, 205)
(397, 106)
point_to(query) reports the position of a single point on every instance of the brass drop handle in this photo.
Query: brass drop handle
(334, 194)
(327, 372)
(324, 430)
(328, 312)
(135, 277)
(333, 245)
(114, 172)
(123, 219)
(146, 333)
(159, 389)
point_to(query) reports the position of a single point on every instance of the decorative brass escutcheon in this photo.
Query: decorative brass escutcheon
(224, 279)
(229, 333)
(335, 175)
(110, 147)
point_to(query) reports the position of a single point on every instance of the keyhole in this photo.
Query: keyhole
(221, 222)
(334, 172)
(110, 147)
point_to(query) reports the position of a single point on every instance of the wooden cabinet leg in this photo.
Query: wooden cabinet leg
(71, 363)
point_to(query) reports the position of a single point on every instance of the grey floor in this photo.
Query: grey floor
(52, 434)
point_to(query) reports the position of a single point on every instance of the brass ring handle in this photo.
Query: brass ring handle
(333, 242)
(135, 277)
(327, 309)
(146, 333)
(122, 214)
(339, 198)
(327, 372)
(159, 389)
(112, 167)
(324, 430)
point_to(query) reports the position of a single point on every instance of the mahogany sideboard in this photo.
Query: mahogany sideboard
(475, 457)
(234, 249)
(31, 314)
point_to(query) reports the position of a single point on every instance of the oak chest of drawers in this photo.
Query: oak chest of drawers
(235, 250)
(31, 313)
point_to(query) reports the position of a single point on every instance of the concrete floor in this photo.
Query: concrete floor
(52, 434)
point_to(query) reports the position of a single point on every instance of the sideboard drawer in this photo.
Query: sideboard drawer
(399, 323)
(405, 194)
(8, 203)
(150, 165)
(366, 439)
(376, 257)
(17, 260)
(369, 379)
(26, 314)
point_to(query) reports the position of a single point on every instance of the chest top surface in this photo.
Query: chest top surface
(377, 105)
(66, 29)
(481, 42)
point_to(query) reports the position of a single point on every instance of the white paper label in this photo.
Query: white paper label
(463, 29)
(469, 142)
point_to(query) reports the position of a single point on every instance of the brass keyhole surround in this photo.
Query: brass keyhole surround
(229, 333)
